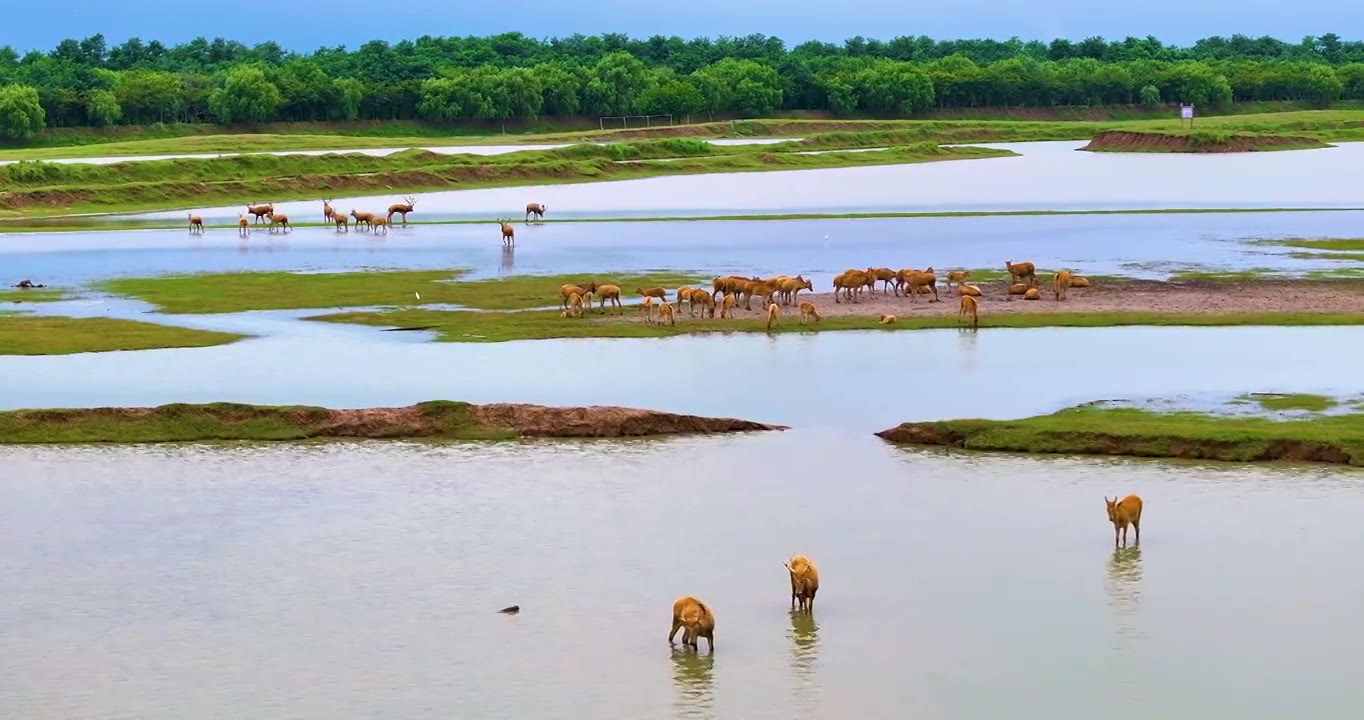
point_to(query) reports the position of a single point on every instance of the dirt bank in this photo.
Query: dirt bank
(436, 420)
(1200, 297)
(1006, 436)
(1196, 142)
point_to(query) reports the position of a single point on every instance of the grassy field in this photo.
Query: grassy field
(44, 189)
(232, 421)
(1090, 430)
(24, 335)
(15, 295)
(474, 326)
(977, 125)
(1295, 401)
(242, 291)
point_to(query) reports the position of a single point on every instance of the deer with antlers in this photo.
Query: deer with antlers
(508, 232)
(260, 211)
(535, 209)
(402, 208)
(328, 214)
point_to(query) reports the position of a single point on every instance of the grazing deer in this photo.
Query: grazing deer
(970, 307)
(281, 221)
(362, 217)
(196, 222)
(260, 211)
(402, 208)
(508, 233)
(535, 209)
(328, 214)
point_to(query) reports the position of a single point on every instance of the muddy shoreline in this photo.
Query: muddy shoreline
(1194, 297)
(1126, 141)
(430, 420)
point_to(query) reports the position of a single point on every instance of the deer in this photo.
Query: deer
(402, 208)
(279, 220)
(243, 227)
(508, 232)
(535, 209)
(196, 222)
(328, 214)
(362, 217)
(260, 211)
(342, 222)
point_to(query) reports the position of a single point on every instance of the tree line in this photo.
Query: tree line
(510, 76)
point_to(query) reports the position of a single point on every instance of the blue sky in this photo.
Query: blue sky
(307, 24)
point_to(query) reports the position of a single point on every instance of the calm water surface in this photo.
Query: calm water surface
(1047, 176)
(1139, 245)
(362, 581)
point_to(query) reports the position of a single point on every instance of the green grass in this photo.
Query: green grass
(241, 291)
(31, 295)
(1124, 431)
(1352, 257)
(964, 125)
(1320, 244)
(232, 421)
(475, 326)
(38, 189)
(27, 335)
(1299, 401)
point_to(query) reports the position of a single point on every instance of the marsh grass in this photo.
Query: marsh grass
(1128, 431)
(1297, 401)
(29, 335)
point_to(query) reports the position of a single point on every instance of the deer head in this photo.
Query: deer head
(409, 200)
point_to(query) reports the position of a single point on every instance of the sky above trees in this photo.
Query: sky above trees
(308, 24)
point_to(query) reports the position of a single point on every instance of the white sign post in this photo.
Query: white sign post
(1186, 113)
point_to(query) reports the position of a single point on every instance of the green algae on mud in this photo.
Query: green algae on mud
(1091, 430)
(1293, 401)
(206, 293)
(433, 420)
(34, 335)
(479, 327)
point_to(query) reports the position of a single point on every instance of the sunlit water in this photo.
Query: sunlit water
(1139, 245)
(1047, 176)
(355, 581)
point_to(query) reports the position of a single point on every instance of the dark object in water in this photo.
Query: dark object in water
(410, 329)
(26, 284)
(512, 610)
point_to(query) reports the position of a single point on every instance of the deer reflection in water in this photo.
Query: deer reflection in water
(508, 258)
(804, 636)
(694, 680)
(1123, 586)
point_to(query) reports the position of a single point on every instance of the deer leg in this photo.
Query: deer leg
(671, 635)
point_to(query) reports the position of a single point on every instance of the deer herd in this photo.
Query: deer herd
(696, 620)
(731, 292)
(373, 222)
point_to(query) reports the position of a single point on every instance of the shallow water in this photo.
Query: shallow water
(849, 382)
(1048, 176)
(1138, 245)
(372, 152)
(363, 580)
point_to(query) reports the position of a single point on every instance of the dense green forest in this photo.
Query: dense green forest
(505, 77)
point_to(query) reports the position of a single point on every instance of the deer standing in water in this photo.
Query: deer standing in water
(535, 209)
(196, 223)
(402, 208)
(328, 214)
(508, 233)
(260, 211)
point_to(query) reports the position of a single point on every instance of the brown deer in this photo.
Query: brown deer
(328, 214)
(377, 223)
(535, 209)
(196, 223)
(260, 211)
(1122, 513)
(362, 217)
(342, 222)
(243, 227)
(402, 208)
(508, 233)
(281, 221)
